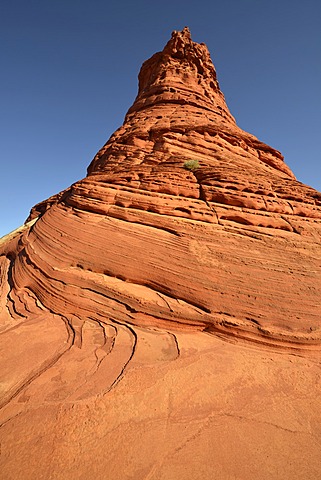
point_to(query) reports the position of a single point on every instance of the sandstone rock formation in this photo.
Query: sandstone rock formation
(160, 321)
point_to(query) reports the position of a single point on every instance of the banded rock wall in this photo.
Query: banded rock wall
(146, 270)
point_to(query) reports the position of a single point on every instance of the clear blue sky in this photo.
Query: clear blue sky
(69, 73)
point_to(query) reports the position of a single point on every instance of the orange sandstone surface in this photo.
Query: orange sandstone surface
(161, 322)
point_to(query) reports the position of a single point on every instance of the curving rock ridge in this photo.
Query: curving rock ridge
(185, 284)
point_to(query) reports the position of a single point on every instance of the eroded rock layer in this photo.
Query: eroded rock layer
(175, 288)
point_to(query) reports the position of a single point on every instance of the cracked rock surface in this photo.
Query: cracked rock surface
(159, 322)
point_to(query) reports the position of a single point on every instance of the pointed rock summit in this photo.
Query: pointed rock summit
(161, 317)
(183, 74)
(179, 95)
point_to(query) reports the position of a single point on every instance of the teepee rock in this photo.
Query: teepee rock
(161, 317)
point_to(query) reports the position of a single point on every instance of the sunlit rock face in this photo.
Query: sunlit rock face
(161, 318)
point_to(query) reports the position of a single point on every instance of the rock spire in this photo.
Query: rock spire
(168, 299)
(179, 94)
(182, 74)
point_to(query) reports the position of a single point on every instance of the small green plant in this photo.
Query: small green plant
(191, 165)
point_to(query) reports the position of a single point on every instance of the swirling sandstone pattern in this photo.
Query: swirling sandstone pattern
(160, 322)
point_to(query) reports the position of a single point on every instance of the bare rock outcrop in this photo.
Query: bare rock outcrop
(161, 318)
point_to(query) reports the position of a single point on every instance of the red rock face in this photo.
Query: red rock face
(168, 300)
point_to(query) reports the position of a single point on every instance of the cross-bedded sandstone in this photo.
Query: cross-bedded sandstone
(148, 265)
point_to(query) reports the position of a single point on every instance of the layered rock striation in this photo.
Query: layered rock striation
(154, 261)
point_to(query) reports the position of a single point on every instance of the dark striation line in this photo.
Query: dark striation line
(202, 196)
(11, 259)
(37, 374)
(121, 374)
(106, 338)
(176, 343)
(10, 418)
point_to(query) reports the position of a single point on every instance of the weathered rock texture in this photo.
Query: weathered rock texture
(164, 323)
